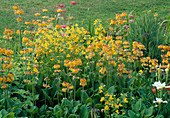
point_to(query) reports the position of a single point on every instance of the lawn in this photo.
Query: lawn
(97, 9)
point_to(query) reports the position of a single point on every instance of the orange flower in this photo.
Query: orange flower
(28, 23)
(83, 82)
(44, 10)
(19, 19)
(75, 70)
(15, 7)
(65, 84)
(2, 50)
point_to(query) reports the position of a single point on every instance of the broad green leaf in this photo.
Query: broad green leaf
(3, 112)
(131, 114)
(98, 106)
(73, 116)
(84, 96)
(111, 90)
(138, 105)
(159, 116)
(59, 114)
(149, 111)
(10, 115)
(66, 102)
(84, 112)
(89, 100)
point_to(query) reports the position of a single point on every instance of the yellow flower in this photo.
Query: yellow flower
(100, 91)
(101, 87)
(35, 70)
(117, 106)
(64, 89)
(106, 107)
(28, 68)
(102, 99)
(125, 100)
(44, 10)
(120, 105)
(155, 15)
(102, 70)
(56, 66)
(117, 111)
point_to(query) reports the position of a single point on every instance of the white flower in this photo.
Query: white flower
(159, 100)
(167, 86)
(166, 69)
(158, 85)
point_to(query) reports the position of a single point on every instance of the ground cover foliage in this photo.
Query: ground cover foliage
(63, 68)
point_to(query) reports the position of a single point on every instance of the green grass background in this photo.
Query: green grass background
(98, 9)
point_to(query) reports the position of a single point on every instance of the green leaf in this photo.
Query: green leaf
(159, 116)
(78, 92)
(59, 114)
(33, 109)
(75, 109)
(3, 112)
(48, 98)
(84, 112)
(66, 102)
(111, 90)
(149, 111)
(73, 116)
(89, 100)
(96, 98)
(10, 115)
(36, 97)
(137, 106)
(131, 114)
(98, 106)
(84, 96)
(56, 108)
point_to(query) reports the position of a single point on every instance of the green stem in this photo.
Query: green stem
(75, 88)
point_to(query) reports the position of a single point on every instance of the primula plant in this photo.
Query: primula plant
(65, 70)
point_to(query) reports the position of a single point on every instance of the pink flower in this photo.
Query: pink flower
(64, 10)
(131, 16)
(66, 19)
(63, 26)
(61, 5)
(131, 21)
(125, 26)
(56, 7)
(73, 2)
